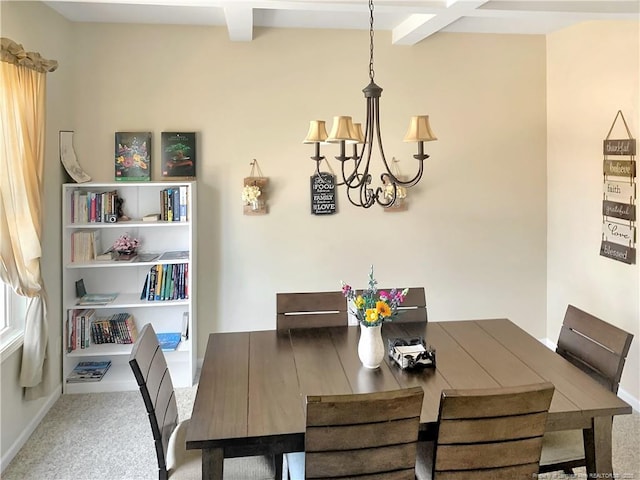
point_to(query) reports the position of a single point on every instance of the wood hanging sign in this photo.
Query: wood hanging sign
(621, 233)
(618, 206)
(255, 191)
(623, 211)
(619, 147)
(619, 191)
(618, 252)
(620, 168)
(624, 146)
(401, 204)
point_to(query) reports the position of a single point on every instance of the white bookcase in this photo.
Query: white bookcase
(127, 279)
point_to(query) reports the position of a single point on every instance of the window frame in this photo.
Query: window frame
(14, 309)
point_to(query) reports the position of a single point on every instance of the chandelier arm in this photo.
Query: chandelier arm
(379, 138)
(380, 194)
(414, 180)
(367, 195)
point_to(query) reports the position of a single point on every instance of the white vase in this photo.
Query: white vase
(371, 346)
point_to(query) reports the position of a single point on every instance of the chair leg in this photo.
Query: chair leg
(568, 471)
(277, 463)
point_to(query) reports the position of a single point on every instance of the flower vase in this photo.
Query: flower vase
(371, 346)
(126, 255)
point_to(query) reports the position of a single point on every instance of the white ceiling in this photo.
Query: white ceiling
(410, 21)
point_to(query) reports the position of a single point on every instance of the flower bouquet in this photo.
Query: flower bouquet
(250, 194)
(126, 247)
(374, 307)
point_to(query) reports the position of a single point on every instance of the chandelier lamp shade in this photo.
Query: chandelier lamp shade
(355, 168)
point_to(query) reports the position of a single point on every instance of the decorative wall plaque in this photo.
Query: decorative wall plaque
(323, 194)
(254, 191)
(619, 196)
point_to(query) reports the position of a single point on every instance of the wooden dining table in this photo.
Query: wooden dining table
(253, 385)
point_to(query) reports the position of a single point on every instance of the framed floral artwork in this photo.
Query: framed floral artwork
(133, 156)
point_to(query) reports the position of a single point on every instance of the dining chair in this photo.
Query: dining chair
(414, 307)
(487, 434)
(372, 436)
(310, 310)
(149, 366)
(599, 349)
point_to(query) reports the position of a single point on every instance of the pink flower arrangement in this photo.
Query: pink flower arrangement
(125, 243)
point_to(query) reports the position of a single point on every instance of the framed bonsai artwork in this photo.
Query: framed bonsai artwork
(178, 155)
(133, 156)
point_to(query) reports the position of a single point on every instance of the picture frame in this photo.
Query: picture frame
(179, 155)
(133, 156)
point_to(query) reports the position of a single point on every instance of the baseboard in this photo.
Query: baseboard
(30, 428)
(622, 393)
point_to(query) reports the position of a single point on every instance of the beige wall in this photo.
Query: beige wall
(40, 29)
(474, 234)
(592, 73)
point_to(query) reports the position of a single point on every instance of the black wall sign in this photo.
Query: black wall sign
(625, 146)
(618, 252)
(624, 211)
(323, 194)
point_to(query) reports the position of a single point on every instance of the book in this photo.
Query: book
(178, 154)
(88, 372)
(85, 298)
(97, 298)
(152, 217)
(168, 341)
(175, 255)
(185, 326)
(147, 257)
(133, 156)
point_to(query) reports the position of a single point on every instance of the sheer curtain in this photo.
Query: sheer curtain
(22, 113)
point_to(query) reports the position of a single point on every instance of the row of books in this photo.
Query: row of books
(173, 204)
(85, 245)
(166, 282)
(118, 328)
(85, 328)
(79, 328)
(90, 207)
(94, 207)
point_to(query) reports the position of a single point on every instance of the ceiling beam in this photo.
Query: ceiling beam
(239, 18)
(417, 27)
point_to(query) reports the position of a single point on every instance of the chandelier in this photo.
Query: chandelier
(354, 168)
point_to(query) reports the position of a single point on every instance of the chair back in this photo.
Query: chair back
(369, 435)
(594, 346)
(414, 307)
(310, 310)
(150, 370)
(491, 433)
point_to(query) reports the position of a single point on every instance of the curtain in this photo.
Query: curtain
(22, 114)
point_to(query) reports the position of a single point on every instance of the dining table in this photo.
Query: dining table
(253, 385)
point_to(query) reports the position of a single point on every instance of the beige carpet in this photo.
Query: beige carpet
(107, 437)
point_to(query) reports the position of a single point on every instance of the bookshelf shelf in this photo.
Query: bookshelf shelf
(128, 278)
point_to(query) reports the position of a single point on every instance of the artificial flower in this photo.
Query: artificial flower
(250, 193)
(383, 308)
(372, 308)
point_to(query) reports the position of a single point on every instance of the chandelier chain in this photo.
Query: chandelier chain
(371, 71)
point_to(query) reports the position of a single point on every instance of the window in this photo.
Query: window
(13, 308)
